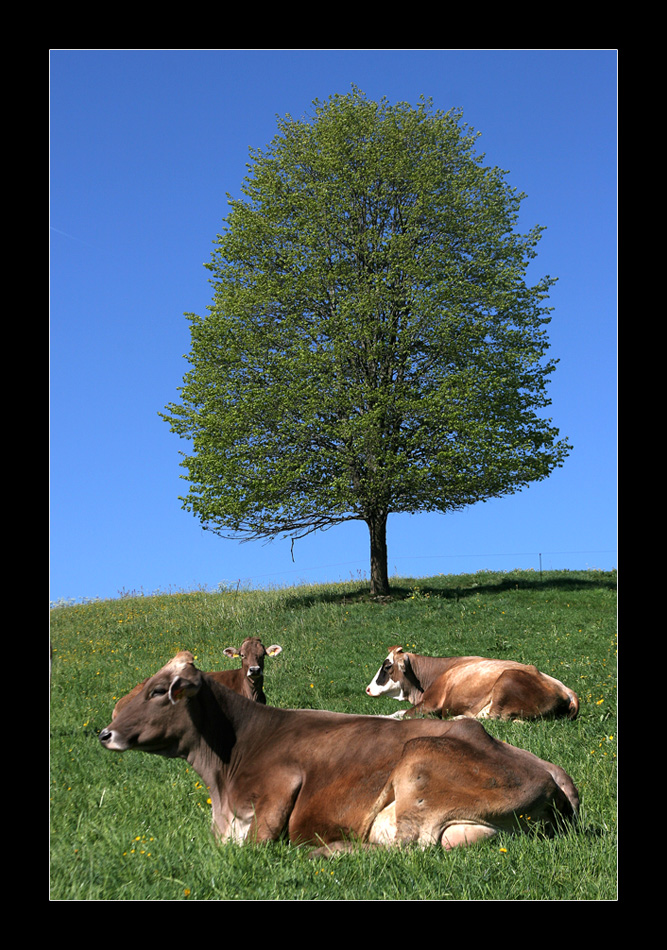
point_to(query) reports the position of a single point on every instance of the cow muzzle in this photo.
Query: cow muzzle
(110, 741)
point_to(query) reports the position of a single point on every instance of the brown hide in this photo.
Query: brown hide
(247, 679)
(472, 686)
(317, 776)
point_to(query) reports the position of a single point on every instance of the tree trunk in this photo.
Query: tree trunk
(377, 526)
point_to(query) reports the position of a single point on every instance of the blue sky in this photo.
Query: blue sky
(144, 147)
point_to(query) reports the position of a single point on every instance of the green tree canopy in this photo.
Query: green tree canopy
(372, 345)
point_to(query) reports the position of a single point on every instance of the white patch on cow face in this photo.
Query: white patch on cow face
(383, 685)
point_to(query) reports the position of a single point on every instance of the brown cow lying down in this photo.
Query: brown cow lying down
(333, 778)
(247, 679)
(471, 686)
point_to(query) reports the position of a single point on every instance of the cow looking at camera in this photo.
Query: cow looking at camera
(247, 680)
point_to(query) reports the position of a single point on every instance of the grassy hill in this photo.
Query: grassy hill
(137, 827)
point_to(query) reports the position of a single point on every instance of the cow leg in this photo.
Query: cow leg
(428, 708)
(256, 817)
(454, 792)
(386, 827)
(383, 829)
(462, 834)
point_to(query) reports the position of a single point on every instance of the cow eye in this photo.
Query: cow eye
(158, 691)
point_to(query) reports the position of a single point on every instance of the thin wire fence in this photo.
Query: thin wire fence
(361, 573)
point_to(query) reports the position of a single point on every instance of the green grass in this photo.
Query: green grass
(137, 827)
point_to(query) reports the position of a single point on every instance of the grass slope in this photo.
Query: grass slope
(137, 827)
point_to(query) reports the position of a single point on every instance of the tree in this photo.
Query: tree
(372, 345)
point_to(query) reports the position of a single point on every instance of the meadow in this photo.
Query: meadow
(137, 827)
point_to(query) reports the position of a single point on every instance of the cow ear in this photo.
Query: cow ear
(182, 688)
(274, 649)
(231, 652)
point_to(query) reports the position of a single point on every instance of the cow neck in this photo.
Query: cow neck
(255, 688)
(225, 718)
(230, 728)
(425, 670)
(413, 675)
(422, 671)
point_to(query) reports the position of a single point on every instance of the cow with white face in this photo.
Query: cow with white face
(471, 686)
(334, 778)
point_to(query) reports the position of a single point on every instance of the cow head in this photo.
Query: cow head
(153, 719)
(252, 655)
(389, 679)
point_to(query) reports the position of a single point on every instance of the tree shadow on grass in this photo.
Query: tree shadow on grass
(458, 587)
(469, 587)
